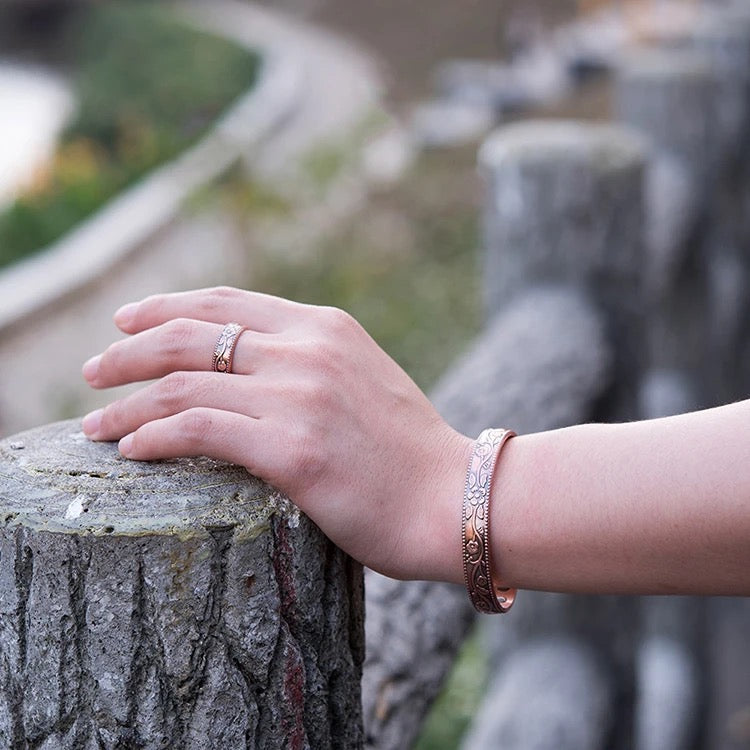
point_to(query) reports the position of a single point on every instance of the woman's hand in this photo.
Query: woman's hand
(313, 406)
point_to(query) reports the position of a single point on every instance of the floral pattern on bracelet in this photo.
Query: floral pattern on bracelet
(486, 596)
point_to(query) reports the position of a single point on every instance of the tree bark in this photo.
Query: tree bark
(179, 604)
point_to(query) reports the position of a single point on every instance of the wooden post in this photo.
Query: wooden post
(543, 363)
(565, 206)
(669, 96)
(180, 604)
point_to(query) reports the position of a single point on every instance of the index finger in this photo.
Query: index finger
(259, 312)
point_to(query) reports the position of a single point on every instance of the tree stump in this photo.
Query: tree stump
(179, 604)
(564, 205)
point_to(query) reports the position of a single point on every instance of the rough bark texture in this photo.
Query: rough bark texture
(670, 97)
(180, 604)
(566, 201)
(564, 204)
(694, 111)
(543, 363)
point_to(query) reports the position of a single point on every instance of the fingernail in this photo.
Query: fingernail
(91, 368)
(125, 445)
(92, 422)
(124, 316)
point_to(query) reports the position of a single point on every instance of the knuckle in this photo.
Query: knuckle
(112, 416)
(217, 297)
(177, 336)
(307, 460)
(172, 391)
(337, 321)
(304, 395)
(150, 308)
(196, 425)
(318, 359)
(113, 358)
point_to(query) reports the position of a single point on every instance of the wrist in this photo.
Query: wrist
(442, 560)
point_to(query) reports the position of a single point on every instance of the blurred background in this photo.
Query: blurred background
(326, 150)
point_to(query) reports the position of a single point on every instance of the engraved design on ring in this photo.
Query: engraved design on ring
(224, 350)
(486, 595)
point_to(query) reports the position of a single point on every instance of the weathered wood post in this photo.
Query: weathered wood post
(724, 38)
(179, 604)
(543, 363)
(565, 206)
(685, 101)
(669, 97)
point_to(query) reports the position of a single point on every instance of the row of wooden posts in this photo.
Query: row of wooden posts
(184, 605)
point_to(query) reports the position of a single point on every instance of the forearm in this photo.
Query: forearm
(660, 506)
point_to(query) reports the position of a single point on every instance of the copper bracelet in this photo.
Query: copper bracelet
(485, 593)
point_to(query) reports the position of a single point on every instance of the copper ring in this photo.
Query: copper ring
(224, 350)
(486, 594)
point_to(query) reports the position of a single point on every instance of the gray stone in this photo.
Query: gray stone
(553, 694)
(170, 604)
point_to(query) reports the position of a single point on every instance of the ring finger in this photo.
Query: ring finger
(178, 345)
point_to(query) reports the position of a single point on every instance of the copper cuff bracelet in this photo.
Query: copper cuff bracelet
(486, 595)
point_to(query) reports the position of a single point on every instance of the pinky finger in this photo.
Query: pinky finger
(200, 431)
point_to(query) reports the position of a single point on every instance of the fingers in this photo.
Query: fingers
(201, 432)
(178, 345)
(175, 393)
(260, 312)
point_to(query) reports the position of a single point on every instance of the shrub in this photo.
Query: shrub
(147, 86)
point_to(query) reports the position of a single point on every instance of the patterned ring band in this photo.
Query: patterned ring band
(485, 593)
(224, 350)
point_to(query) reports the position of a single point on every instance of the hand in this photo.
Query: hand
(313, 407)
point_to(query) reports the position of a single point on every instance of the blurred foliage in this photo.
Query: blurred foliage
(147, 86)
(404, 267)
(458, 701)
(324, 163)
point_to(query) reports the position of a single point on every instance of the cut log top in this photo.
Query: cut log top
(667, 66)
(89, 488)
(550, 142)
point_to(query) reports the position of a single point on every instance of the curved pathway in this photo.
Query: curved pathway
(338, 83)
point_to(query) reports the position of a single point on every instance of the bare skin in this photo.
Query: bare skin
(317, 409)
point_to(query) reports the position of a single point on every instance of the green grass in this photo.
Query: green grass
(147, 86)
(404, 267)
(458, 701)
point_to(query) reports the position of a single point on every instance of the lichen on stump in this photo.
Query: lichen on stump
(176, 604)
